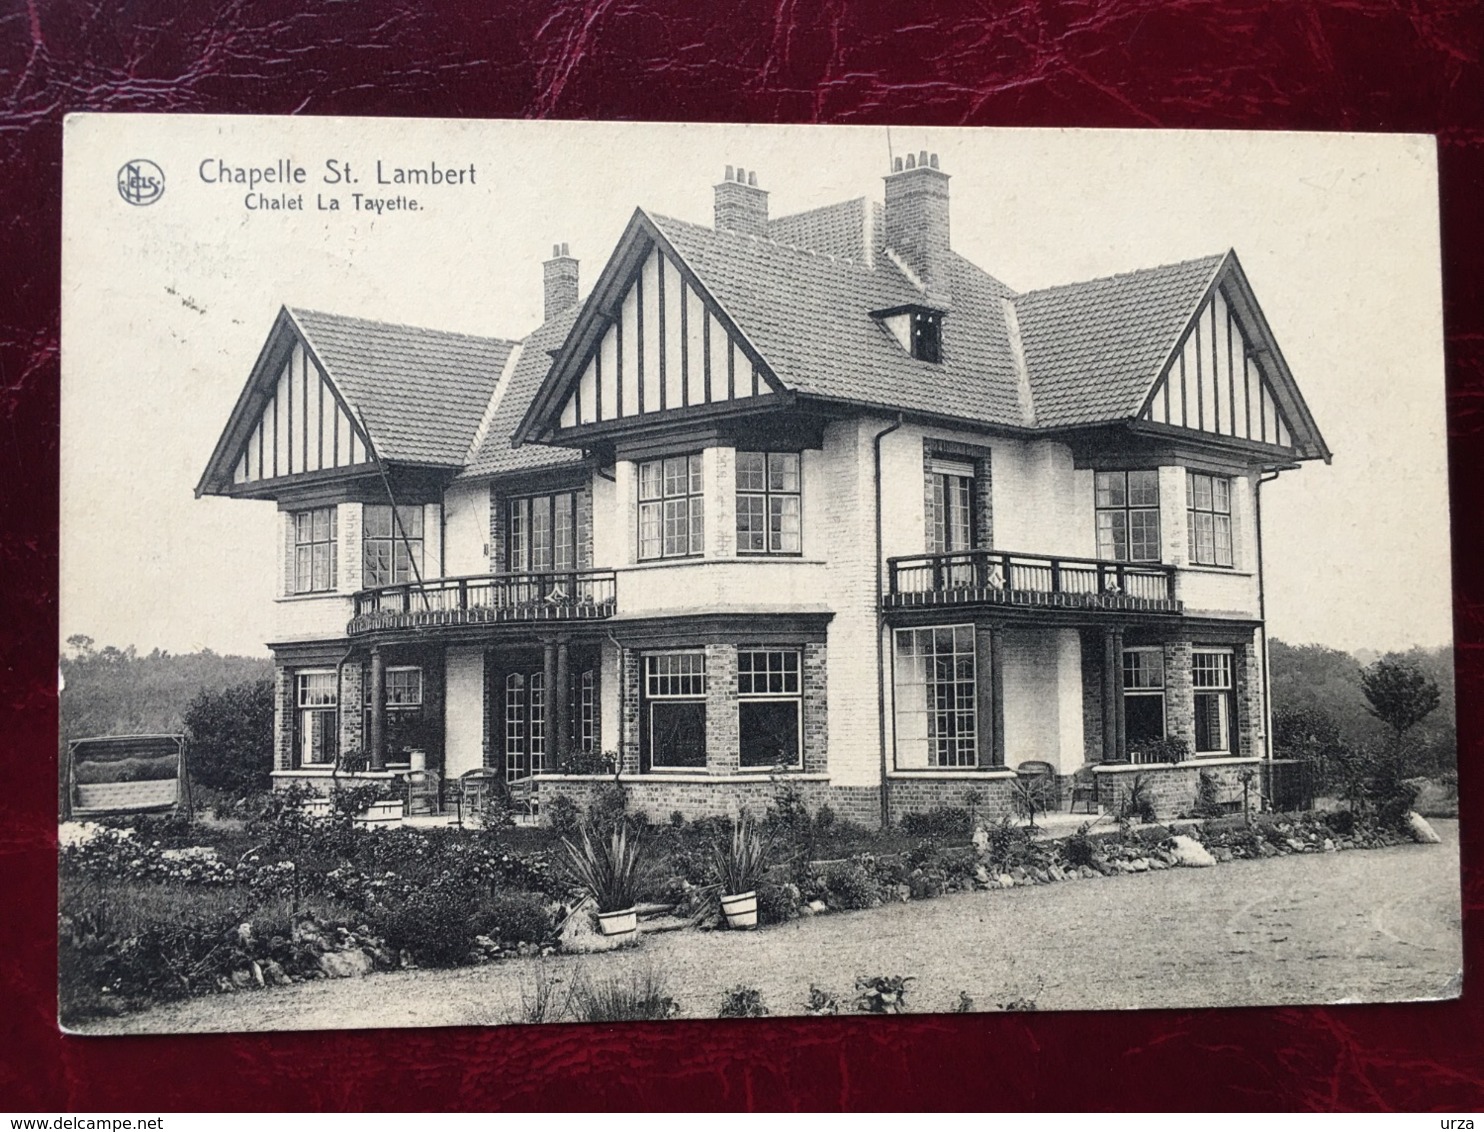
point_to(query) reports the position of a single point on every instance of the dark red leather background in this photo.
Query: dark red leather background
(1326, 64)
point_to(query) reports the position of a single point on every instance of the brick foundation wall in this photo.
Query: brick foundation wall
(1172, 789)
(658, 799)
(919, 795)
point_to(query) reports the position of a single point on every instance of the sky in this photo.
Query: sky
(165, 307)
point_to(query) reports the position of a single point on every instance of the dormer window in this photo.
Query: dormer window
(918, 329)
(927, 336)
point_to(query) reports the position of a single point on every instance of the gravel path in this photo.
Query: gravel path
(1364, 925)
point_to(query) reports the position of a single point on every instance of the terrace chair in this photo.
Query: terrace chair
(475, 789)
(424, 793)
(1084, 790)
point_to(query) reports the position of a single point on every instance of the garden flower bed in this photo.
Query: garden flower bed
(165, 909)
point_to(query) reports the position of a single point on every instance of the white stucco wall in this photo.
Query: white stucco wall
(466, 529)
(463, 708)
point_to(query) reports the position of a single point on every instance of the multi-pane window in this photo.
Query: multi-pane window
(316, 700)
(768, 515)
(587, 712)
(1143, 695)
(314, 550)
(517, 720)
(950, 519)
(404, 713)
(391, 547)
(1211, 675)
(1128, 516)
(542, 534)
(671, 508)
(769, 706)
(675, 709)
(1209, 511)
(936, 697)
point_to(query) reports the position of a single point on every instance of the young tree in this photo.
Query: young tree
(1399, 694)
(232, 737)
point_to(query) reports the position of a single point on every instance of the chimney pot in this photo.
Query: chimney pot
(559, 282)
(915, 222)
(740, 205)
(897, 166)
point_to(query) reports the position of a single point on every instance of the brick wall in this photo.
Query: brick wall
(977, 455)
(816, 737)
(1251, 726)
(1092, 697)
(283, 717)
(722, 736)
(352, 719)
(658, 799)
(919, 795)
(497, 530)
(585, 527)
(1179, 694)
(1172, 789)
(628, 706)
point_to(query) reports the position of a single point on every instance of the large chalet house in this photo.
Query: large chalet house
(807, 496)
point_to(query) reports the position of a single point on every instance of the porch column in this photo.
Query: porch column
(1112, 670)
(561, 707)
(549, 700)
(1119, 705)
(376, 741)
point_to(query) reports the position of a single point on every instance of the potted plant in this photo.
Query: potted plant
(740, 864)
(610, 871)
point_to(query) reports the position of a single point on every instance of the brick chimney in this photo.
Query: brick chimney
(916, 220)
(559, 275)
(740, 205)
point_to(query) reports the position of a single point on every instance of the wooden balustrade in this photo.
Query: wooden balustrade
(970, 577)
(567, 595)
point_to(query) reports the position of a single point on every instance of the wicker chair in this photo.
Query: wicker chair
(424, 792)
(1084, 790)
(476, 787)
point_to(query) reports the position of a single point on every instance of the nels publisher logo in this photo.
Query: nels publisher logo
(141, 182)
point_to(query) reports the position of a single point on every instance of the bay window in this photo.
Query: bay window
(671, 508)
(316, 715)
(391, 546)
(314, 550)
(674, 710)
(1211, 676)
(1209, 515)
(769, 707)
(1128, 516)
(768, 514)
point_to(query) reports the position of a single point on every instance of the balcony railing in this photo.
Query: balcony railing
(1002, 577)
(571, 595)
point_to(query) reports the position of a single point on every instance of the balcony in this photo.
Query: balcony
(1005, 578)
(484, 599)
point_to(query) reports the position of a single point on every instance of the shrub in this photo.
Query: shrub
(821, 1003)
(778, 903)
(1208, 796)
(882, 994)
(589, 762)
(849, 886)
(435, 924)
(1170, 749)
(125, 770)
(638, 996)
(564, 816)
(742, 1002)
(1340, 822)
(513, 917)
(1136, 803)
(1077, 850)
(611, 871)
(1006, 843)
(824, 817)
(938, 825)
(231, 737)
(542, 998)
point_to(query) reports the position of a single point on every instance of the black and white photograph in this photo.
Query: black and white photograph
(532, 572)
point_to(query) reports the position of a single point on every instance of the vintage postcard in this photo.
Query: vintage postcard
(532, 571)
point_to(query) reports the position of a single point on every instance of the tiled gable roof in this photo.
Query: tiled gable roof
(496, 453)
(848, 230)
(808, 315)
(1094, 349)
(421, 393)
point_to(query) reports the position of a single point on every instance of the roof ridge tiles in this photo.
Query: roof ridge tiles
(484, 338)
(1213, 259)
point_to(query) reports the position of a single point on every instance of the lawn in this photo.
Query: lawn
(1378, 925)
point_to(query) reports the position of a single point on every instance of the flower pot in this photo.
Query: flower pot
(618, 923)
(740, 910)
